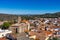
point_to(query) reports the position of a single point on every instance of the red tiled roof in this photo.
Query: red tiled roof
(31, 33)
(3, 38)
(48, 33)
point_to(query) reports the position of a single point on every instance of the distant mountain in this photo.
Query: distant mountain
(13, 17)
(46, 15)
(52, 15)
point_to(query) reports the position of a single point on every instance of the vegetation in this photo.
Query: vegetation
(5, 25)
(8, 17)
(54, 38)
(4, 17)
(46, 15)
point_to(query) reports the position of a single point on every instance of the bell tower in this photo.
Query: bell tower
(19, 19)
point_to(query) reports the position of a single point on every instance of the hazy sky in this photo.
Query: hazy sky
(29, 6)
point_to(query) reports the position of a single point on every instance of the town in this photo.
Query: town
(29, 19)
(33, 29)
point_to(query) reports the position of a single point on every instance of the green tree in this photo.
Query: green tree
(5, 25)
(54, 38)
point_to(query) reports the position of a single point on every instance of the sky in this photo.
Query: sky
(29, 6)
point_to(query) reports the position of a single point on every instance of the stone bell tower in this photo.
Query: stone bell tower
(19, 19)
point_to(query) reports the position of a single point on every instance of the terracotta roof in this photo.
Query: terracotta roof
(31, 33)
(3, 38)
(41, 35)
(25, 21)
(55, 26)
(48, 33)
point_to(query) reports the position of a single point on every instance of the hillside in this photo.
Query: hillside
(46, 15)
(12, 17)
(7, 17)
(51, 15)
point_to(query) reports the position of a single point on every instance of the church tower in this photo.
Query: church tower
(19, 19)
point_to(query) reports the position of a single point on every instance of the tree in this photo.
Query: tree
(54, 38)
(5, 25)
